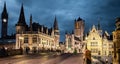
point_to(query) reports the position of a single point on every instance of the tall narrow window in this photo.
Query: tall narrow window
(26, 39)
(69, 42)
(34, 39)
(39, 41)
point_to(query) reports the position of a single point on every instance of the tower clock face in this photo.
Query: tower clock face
(4, 20)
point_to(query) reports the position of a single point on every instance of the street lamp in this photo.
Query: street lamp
(106, 61)
(6, 48)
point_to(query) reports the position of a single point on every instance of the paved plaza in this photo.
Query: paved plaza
(43, 59)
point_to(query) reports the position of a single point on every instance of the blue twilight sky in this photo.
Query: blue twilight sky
(44, 11)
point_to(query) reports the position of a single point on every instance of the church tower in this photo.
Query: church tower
(79, 28)
(56, 32)
(21, 24)
(4, 18)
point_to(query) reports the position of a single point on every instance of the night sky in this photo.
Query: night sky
(66, 11)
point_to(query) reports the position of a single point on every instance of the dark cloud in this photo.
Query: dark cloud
(44, 11)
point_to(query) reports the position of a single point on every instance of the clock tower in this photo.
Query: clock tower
(4, 18)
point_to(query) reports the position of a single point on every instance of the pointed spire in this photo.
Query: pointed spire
(55, 24)
(22, 17)
(30, 17)
(30, 22)
(4, 12)
(79, 19)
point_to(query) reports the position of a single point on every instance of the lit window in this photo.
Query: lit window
(34, 39)
(94, 50)
(94, 44)
(25, 39)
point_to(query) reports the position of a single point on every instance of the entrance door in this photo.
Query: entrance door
(34, 49)
(27, 49)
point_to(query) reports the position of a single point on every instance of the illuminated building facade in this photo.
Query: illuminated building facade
(107, 45)
(74, 40)
(36, 37)
(116, 41)
(100, 44)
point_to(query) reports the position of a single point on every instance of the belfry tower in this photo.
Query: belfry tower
(79, 28)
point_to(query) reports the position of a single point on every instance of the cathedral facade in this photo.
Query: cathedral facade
(74, 40)
(36, 37)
